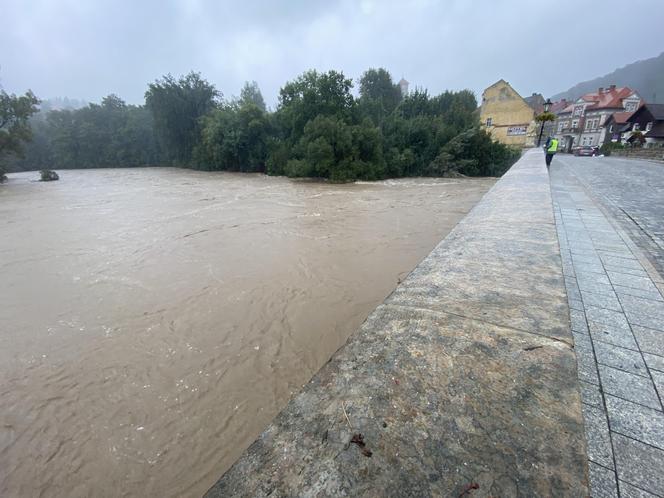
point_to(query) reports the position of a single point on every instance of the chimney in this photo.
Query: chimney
(600, 91)
(612, 87)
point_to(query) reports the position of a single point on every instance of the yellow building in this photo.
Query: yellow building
(507, 116)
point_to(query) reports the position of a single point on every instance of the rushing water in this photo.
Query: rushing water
(153, 321)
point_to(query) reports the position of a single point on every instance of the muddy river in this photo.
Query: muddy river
(153, 321)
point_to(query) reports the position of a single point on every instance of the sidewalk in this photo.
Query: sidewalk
(617, 319)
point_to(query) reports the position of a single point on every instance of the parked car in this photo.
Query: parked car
(586, 150)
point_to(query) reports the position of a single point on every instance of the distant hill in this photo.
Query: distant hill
(646, 77)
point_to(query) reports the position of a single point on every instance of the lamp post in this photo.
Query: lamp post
(547, 106)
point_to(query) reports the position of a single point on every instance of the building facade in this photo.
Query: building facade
(649, 120)
(583, 121)
(507, 116)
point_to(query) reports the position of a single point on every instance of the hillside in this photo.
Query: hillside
(646, 77)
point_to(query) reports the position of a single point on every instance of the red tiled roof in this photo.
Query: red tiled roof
(609, 98)
(559, 106)
(621, 117)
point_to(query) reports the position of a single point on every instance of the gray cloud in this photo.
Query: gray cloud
(87, 49)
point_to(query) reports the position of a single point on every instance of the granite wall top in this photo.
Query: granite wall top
(462, 383)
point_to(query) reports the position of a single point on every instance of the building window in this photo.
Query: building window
(575, 123)
(578, 110)
(630, 106)
(611, 129)
(589, 124)
(489, 121)
(561, 125)
(649, 126)
(637, 127)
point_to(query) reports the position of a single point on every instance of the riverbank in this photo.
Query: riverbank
(463, 379)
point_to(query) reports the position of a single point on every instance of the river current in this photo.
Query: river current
(154, 320)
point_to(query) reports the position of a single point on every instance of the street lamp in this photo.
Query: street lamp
(547, 106)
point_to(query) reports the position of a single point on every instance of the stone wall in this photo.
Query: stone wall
(653, 154)
(462, 383)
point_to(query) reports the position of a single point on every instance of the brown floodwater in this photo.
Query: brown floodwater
(153, 321)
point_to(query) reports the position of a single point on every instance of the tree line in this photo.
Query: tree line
(318, 129)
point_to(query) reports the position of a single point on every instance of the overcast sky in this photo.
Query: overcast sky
(86, 49)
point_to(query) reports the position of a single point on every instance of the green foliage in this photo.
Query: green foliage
(545, 116)
(473, 153)
(609, 147)
(637, 138)
(379, 96)
(318, 130)
(331, 148)
(234, 137)
(15, 111)
(109, 134)
(177, 106)
(251, 94)
(311, 95)
(47, 175)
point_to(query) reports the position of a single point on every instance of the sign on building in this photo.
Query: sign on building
(516, 130)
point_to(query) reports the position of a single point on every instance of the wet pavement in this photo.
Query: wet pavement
(610, 219)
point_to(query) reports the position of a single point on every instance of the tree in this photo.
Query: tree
(251, 94)
(15, 111)
(311, 95)
(379, 96)
(177, 106)
(234, 137)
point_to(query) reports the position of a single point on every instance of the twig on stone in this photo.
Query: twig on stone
(343, 407)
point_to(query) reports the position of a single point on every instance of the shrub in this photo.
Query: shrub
(609, 147)
(48, 175)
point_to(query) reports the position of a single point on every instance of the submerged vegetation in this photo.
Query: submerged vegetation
(319, 129)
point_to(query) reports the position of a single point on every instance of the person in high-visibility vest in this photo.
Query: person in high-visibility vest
(551, 147)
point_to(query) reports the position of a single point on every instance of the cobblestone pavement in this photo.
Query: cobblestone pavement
(632, 191)
(617, 315)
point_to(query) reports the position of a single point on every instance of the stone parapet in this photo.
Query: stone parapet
(462, 383)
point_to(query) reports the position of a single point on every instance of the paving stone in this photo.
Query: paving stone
(591, 395)
(621, 290)
(579, 259)
(597, 436)
(619, 336)
(621, 262)
(621, 358)
(636, 421)
(642, 283)
(658, 379)
(629, 491)
(628, 386)
(650, 341)
(585, 363)
(644, 312)
(592, 278)
(576, 304)
(573, 293)
(581, 339)
(602, 481)
(638, 272)
(645, 319)
(594, 286)
(578, 321)
(607, 317)
(606, 301)
(639, 463)
(654, 361)
(621, 251)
